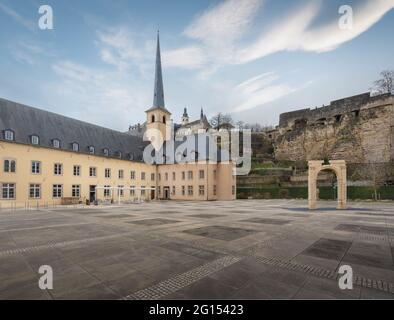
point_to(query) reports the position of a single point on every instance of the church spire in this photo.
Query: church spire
(158, 99)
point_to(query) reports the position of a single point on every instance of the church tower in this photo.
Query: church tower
(158, 123)
(185, 117)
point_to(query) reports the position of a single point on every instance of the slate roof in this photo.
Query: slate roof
(26, 121)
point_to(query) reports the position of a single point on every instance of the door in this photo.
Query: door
(152, 194)
(92, 194)
(166, 193)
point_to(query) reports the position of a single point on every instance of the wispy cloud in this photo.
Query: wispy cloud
(221, 30)
(297, 33)
(260, 90)
(100, 93)
(17, 17)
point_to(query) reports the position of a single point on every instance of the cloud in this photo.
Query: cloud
(296, 32)
(260, 90)
(221, 30)
(188, 58)
(17, 17)
(95, 93)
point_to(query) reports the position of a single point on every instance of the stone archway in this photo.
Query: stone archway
(339, 167)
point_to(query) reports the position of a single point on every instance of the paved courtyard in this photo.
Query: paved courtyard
(252, 249)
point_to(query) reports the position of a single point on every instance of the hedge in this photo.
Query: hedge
(325, 193)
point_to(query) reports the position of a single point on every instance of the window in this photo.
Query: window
(106, 152)
(214, 190)
(143, 191)
(166, 175)
(77, 171)
(93, 172)
(9, 135)
(201, 190)
(34, 191)
(164, 119)
(121, 174)
(57, 191)
(183, 190)
(190, 175)
(107, 191)
(190, 190)
(9, 166)
(121, 191)
(76, 191)
(56, 143)
(35, 167)
(35, 140)
(183, 175)
(201, 174)
(91, 150)
(8, 190)
(173, 190)
(132, 175)
(132, 191)
(233, 190)
(75, 147)
(153, 118)
(58, 169)
(107, 173)
(214, 174)
(173, 176)
(158, 191)
(142, 175)
(152, 177)
(119, 154)
(159, 176)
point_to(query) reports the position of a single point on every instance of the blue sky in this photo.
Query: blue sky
(254, 58)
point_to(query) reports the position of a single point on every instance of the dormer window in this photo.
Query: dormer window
(91, 150)
(119, 154)
(56, 143)
(153, 118)
(106, 152)
(9, 135)
(75, 147)
(35, 140)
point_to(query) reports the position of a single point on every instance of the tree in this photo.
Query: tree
(220, 119)
(376, 174)
(386, 83)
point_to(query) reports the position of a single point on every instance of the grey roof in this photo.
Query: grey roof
(25, 121)
(158, 96)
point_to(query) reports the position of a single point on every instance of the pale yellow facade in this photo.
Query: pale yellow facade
(217, 180)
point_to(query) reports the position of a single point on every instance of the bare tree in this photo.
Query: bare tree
(221, 119)
(376, 174)
(386, 83)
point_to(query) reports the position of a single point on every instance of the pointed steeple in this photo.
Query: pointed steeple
(158, 99)
(202, 114)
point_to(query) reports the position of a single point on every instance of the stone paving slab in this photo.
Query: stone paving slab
(238, 250)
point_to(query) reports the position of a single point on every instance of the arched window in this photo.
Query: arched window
(164, 119)
(153, 118)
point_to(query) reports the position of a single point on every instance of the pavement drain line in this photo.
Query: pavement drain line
(182, 280)
(56, 245)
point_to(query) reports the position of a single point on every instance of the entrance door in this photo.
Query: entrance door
(166, 193)
(152, 194)
(92, 194)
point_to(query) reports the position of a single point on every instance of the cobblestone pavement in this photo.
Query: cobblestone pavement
(254, 249)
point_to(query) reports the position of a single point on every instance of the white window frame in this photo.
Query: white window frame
(9, 135)
(93, 172)
(56, 143)
(35, 167)
(11, 165)
(58, 169)
(107, 173)
(34, 139)
(76, 170)
(56, 188)
(76, 191)
(34, 191)
(8, 187)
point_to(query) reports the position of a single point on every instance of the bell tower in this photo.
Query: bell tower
(158, 123)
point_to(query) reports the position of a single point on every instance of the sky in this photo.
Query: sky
(254, 59)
